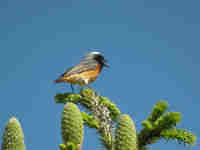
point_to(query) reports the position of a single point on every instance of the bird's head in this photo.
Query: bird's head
(99, 58)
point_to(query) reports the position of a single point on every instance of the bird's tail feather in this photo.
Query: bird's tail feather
(58, 81)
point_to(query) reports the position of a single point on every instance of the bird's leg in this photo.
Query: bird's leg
(81, 87)
(72, 88)
(90, 87)
(97, 94)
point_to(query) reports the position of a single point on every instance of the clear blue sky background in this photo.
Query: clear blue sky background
(152, 46)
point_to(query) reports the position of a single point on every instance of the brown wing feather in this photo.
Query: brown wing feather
(80, 68)
(85, 65)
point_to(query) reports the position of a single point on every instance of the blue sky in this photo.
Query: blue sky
(152, 47)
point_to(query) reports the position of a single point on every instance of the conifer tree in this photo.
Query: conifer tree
(117, 131)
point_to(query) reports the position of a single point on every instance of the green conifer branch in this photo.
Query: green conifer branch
(114, 111)
(89, 120)
(158, 110)
(181, 135)
(102, 114)
(159, 125)
(167, 121)
(62, 146)
(152, 132)
(86, 99)
(63, 98)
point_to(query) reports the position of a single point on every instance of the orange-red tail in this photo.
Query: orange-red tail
(58, 81)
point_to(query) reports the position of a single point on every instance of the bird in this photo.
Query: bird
(85, 72)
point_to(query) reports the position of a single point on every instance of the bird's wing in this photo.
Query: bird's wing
(82, 67)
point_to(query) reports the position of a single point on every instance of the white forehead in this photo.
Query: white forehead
(94, 53)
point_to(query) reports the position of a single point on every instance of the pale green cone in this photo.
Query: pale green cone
(72, 124)
(125, 136)
(13, 137)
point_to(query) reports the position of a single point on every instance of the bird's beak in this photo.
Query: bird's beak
(105, 64)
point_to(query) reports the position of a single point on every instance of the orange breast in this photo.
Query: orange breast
(84, 77)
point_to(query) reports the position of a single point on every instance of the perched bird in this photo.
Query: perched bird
(85, 72)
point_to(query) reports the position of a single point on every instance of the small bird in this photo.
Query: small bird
(85, 72)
